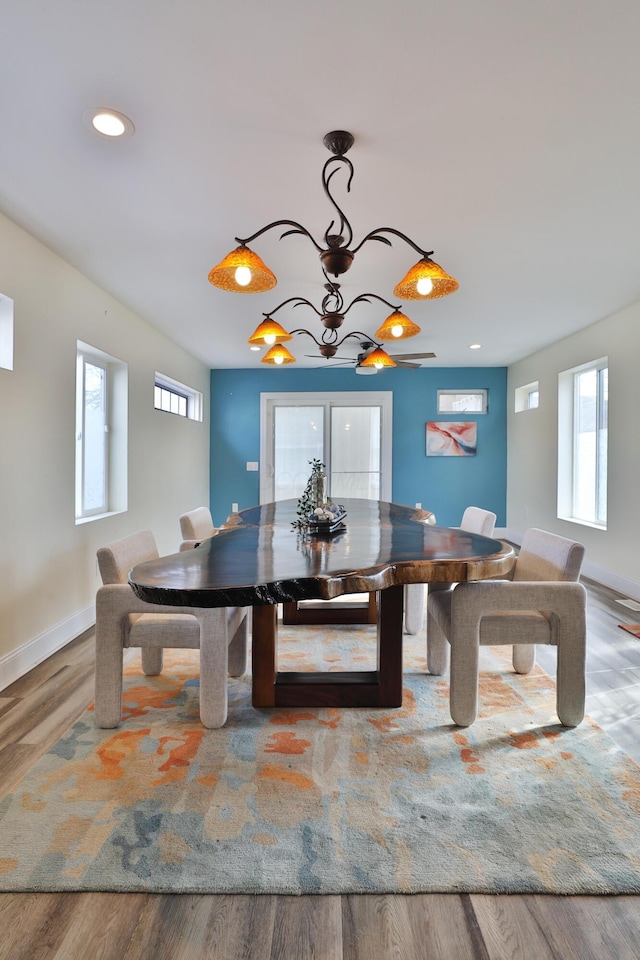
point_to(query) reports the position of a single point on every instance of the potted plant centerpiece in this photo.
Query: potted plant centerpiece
(316, 513)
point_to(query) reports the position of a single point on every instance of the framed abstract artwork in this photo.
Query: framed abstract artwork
(452, 439)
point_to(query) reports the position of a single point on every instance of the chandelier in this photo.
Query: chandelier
(332, 314)
(243, 271)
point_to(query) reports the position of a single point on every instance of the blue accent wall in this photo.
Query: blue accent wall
(445, 485)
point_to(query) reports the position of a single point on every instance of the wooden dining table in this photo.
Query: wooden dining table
(259, 559)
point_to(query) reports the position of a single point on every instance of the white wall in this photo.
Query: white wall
(613, 555)
(48, 575)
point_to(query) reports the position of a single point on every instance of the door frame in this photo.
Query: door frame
(326, 398)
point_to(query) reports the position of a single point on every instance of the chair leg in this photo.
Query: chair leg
(570, 680)
(214, 657)
(463, 673)
(151, 661)
(238, 648)
(414, 604)
(108, 674)
(437, 648)
(524, 657)
(463, 693)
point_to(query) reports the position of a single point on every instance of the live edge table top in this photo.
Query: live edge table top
(258, 558)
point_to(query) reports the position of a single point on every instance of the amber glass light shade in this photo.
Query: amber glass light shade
(378, 358)
(278, 355)
(397, 327)
(269, 328)
(224, 275)
(425, 269)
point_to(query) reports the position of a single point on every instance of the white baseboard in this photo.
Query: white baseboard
(506, 533)
(15, 664)
(629, 588)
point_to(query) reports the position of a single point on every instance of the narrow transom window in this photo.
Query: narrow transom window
(462, 401)
(527, 397)
(175, 397)
(171, 401)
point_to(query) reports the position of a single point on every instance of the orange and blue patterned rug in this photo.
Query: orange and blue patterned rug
(290, 801)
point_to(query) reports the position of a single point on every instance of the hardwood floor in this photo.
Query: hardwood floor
(613, 668)
(36, 709)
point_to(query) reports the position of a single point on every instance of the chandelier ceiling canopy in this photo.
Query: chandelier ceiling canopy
(243, 271)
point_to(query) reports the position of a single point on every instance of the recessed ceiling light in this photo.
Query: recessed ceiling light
(109, 123)
(474, 346)
(254, 348)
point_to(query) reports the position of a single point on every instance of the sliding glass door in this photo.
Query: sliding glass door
(349, 432)
(298, 437)
(356, 452)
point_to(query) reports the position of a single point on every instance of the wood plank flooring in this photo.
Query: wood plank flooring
(613, 669)
(36, 709)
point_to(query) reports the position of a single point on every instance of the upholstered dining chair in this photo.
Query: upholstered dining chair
(474, 520)
(122, 620)
(196, 526)
(541, 603)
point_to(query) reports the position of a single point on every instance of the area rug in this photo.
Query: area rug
(633, 628)
(295, 801)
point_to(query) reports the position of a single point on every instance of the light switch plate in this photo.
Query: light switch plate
(252, 464)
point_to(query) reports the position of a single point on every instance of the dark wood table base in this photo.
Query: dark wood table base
(371, 688)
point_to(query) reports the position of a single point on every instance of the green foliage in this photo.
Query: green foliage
(306, 504)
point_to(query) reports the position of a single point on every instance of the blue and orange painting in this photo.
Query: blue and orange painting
(452, 439)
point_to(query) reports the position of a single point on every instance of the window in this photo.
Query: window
(101, 433)
(92, 436)
(582, 434)
(527, 397)
(6, 332)
(462, 401)
(175, 397)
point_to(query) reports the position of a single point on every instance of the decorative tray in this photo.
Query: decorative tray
(327, 526)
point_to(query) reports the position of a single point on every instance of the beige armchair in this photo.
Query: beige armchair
(196, 526)
(474, 520)
(542, 603)
(122, 620)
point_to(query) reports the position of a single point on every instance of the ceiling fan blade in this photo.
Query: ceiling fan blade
(413, 356)
(403, 363)
(339, 363)
(314, 356)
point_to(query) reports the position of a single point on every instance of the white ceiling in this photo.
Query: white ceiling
(502, 134)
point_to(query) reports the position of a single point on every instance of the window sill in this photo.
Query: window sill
(584, 523)
(98, 516)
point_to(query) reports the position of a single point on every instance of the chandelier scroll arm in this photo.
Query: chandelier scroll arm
(333, 299)
(298, 301)
(297, 228)
(309, 334)
(329, 337)
(375, 235)
(366, 337)
(364, 297)
(326, 180)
